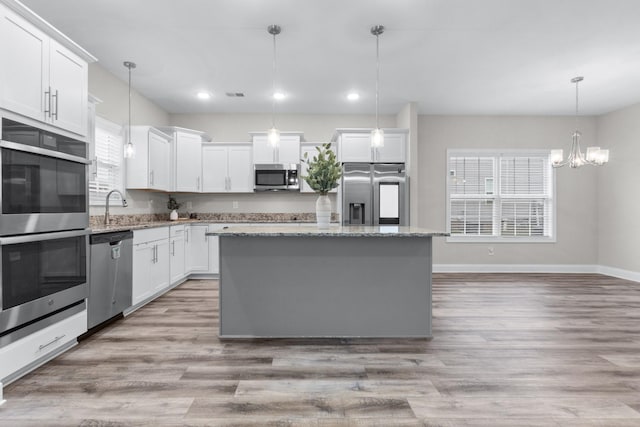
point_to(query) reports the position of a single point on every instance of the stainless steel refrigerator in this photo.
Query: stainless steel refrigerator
(374, 194)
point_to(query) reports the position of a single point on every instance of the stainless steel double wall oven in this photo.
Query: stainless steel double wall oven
(44, 226)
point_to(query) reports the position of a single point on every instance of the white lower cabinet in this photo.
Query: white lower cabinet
(214, 249)
(38, 345)
(197, 248)
(151, 271)
(177, 253)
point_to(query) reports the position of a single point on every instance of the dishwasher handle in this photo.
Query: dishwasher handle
(116, 236)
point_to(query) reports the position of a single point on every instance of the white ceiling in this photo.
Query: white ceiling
(449, 56)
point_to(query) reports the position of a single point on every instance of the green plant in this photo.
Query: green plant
(173, 204)
(324, 170)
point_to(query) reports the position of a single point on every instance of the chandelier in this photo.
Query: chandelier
(594, 156)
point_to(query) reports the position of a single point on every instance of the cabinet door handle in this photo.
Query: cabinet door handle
(186, 236)
(55, 113)
(173, 248)
(55, 340)
(151, 177)
(47, 102)
(229, 178)
(198, 183)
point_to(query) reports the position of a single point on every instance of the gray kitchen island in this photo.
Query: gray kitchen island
(346, 281)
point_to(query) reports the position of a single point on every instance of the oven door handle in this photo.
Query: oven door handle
(43, 152)
(42, 236)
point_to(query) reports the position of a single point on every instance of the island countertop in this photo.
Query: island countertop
(332, 231)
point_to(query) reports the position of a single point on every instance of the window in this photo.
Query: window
(498, 195)
(107, 163)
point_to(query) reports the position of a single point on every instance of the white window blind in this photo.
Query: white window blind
(497, 195)
(107, 164)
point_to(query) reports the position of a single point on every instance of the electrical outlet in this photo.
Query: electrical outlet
(235, 204)
(189, 205)
(490, 251)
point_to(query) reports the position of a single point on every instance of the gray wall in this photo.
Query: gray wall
(236, 127)
(114, 94)
(619, 190)
(596, 218)
(577, 233)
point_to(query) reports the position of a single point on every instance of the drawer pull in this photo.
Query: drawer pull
(55, 340)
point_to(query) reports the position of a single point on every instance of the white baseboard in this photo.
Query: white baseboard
(537, 268)
(619, 273)
(515, 268)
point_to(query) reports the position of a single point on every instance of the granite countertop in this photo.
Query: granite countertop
(142, 221)
(332, 231)
(101, 228)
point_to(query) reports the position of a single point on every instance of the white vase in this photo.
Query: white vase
(323, 211)
(173, 215)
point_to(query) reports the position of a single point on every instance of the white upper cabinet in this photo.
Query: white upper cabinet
(186, 158)
(393, 150)
(215, 170)
(227, 168)
(356, 147)
(68, 77)
(24, 78)
(240, 169)
(41, 78)
(150, 168)
(287, 152)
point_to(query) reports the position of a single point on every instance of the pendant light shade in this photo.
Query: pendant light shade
(273, 134)
(273, 137)
(377, 135)
(129, 148)
(595, 155)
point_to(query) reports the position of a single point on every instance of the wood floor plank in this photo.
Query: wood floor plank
(340, 388)
(510, 350)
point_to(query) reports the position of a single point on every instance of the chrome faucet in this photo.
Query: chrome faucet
(106, 212)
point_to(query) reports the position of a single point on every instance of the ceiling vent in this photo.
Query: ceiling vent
(235, 94)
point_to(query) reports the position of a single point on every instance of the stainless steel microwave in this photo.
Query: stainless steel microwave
(277, 177)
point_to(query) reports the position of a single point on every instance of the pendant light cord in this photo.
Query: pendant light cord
(273, 92)
(129, 136)
(377, 76)
(577, 83)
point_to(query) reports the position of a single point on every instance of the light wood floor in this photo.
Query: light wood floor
(508, 350)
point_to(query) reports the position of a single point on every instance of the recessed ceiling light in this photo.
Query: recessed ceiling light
(278, 95)
(353, 96)
(204, 95)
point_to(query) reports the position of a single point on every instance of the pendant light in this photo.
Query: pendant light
(129, 148)
(273, 134)
(595, 156)
(377, 135)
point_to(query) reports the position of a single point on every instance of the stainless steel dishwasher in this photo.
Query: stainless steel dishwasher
(111, 276)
